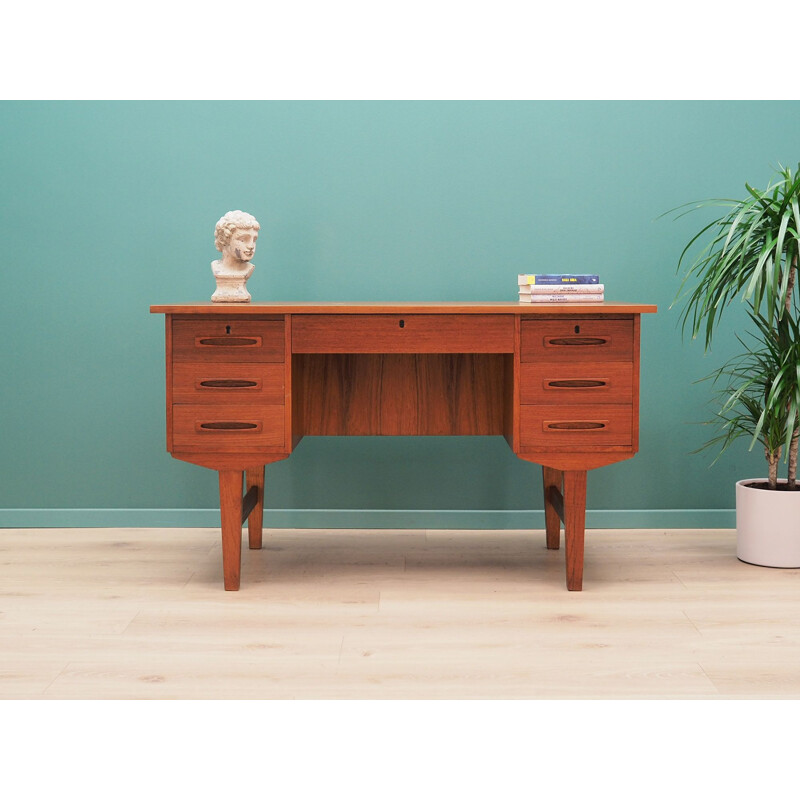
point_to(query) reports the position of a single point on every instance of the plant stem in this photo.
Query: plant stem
(772, 460)
(791, 482)
(790, 288)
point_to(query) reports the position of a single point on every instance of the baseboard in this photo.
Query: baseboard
(358, 518)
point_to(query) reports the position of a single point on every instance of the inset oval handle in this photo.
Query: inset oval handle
(578, 341)
(228, 384)
(575, 425)
(228, 341)
(228, 426)
(574, 383)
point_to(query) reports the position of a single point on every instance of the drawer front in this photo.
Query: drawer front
(398, 333)
(575, 426)
(237, 382)
(228, 340)
(227, 428)
(576, 340)
(588, 382)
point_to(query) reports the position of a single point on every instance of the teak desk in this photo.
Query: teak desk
(246, 382)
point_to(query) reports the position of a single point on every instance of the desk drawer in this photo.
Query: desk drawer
(237, 382)
(568, 340)
(549, 382)
(575, 426)
(228, 339)
(402, 333)
(227, 428)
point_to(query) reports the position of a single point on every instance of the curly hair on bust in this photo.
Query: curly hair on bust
(229, 223)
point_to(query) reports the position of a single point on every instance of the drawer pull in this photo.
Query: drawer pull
(575, 426)
(578, 341)
(228, 341)
(228, 426)
(228, 384)
(576, 384)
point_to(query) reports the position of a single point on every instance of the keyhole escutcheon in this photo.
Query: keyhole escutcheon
(402, 323)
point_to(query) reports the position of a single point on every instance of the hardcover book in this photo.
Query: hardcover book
(558, 278)
(562, 297)
(562, 288)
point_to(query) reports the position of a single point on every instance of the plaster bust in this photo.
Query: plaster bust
(235, 236)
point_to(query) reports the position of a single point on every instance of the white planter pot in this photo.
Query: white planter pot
(767, 526)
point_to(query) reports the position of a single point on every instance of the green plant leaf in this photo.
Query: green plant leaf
(750, 251)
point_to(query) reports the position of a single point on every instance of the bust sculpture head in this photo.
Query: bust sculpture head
(235, 236)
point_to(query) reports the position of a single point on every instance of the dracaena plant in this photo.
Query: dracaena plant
(759, 394)
(751, 253)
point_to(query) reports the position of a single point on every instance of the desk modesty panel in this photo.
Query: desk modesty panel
(246, 382)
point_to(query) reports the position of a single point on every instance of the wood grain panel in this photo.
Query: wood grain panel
(228, 339)
(635, 380)
(224, 382)
(570, 340)
(169, 368)
(288, 385)
(401, 394)
(510, 307)
(460, 393)
(511, 393)
(340, 395)
(397, 333)
(585, 382)
(296, 366)
(399, 389)
(576, 426)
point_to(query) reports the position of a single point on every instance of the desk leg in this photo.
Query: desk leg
(552, 478)
(230, 508)
(574, 526)
(254, 476)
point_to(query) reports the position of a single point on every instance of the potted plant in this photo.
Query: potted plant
(751, 252)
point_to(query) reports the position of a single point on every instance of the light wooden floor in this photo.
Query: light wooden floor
(356, 614)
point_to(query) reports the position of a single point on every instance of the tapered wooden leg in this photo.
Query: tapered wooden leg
(230, 508)
(555, 478)
(254, 476)
(574, 526)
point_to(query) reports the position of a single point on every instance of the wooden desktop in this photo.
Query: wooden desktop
(246, 382)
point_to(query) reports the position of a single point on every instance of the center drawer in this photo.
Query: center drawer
(402, 333)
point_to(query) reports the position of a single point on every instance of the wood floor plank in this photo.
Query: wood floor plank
(360, 614)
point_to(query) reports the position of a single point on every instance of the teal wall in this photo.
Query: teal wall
(107, 207)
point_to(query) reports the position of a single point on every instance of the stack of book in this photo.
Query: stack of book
(561, 288)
